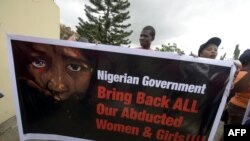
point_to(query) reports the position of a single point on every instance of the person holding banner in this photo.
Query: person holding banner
(209, 49)
(53, 83)
(238, 103)
(206, 50)
(209, 75)
(146, 37)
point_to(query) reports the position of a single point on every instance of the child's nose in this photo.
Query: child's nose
(57, 85)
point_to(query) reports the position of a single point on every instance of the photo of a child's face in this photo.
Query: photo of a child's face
(55, 71)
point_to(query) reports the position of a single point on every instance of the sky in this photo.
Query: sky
(188, 23)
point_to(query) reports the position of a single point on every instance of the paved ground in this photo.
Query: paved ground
(9, 131)
(219, 133)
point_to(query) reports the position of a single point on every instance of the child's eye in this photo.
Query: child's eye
(74, 67)
(39, 63)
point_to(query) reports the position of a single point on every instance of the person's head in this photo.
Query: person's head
(209, 49)
(60, 72)
(245, 58)
(147, 36)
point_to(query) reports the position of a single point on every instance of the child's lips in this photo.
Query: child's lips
(61, 96)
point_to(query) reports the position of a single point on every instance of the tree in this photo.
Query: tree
(169, 48)
(105, 22)
(236, 52)
(65, 32)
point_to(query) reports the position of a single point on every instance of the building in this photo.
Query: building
(38, 18)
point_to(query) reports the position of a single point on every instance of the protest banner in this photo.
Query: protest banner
(67, 90)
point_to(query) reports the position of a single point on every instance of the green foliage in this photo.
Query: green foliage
(65, 32)
(236, 52)
(169, 48)
(105, 22)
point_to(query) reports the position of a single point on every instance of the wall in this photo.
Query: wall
(39, 18)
